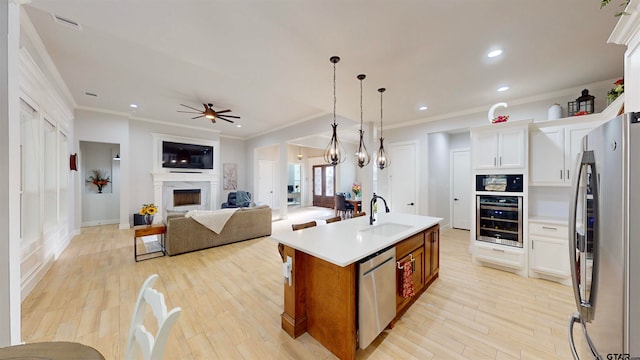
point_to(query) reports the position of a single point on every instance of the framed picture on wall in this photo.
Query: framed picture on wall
(230, 176)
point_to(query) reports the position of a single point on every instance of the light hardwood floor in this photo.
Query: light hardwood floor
(232, 298)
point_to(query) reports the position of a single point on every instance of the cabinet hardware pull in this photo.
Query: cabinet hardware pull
(498, 250)
(495, 162)
(500, 161)
(567, 174)
(560, 174)
(549, 228)
(531, 244)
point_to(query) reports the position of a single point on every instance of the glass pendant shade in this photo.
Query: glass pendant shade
(361, 156)
(334, 154)
(382, 157)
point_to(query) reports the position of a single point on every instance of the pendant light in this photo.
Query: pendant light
(361, 157)
(382, 158)
(334, 154)
(299, 153)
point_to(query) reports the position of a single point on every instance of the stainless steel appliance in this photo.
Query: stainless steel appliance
(500, 182)
(604, 233)
(377, 295)
(499, 219)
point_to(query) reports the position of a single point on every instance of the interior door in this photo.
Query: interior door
(265, 182)
(403, 178)
(461, 190)
(324, 184)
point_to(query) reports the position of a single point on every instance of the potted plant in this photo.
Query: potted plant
(99, 178)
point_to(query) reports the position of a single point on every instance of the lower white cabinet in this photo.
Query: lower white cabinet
(549, 249)
(502, 255)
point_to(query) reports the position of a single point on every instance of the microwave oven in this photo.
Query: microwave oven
(500, 182)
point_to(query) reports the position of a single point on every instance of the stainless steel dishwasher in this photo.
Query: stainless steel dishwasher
(376, 295)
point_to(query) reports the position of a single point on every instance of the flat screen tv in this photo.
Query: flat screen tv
(186, 156)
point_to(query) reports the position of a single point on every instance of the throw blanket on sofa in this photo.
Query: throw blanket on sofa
(213, 220)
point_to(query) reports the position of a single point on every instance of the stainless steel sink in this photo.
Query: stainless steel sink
(386, 229)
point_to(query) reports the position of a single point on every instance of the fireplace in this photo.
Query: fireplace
(185, 197)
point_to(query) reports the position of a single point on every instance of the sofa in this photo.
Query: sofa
(184, 234)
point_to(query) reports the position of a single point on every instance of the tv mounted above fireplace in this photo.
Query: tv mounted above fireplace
(186, 156)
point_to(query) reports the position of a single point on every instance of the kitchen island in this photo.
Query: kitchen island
(320, 292)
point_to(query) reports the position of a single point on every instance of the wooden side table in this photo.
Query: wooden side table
(145, 230)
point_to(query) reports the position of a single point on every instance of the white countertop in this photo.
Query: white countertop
(345, 242)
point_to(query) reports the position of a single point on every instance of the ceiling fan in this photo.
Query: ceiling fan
(210, 114)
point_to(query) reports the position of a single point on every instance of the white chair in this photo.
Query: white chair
(151, 348)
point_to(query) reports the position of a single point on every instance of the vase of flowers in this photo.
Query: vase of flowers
(148, 210)
(616, 91)
(357, 189)
(99, 178)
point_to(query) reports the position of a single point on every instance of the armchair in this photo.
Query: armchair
(237, 199)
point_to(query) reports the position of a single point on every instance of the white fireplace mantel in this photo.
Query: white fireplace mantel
(160, 180)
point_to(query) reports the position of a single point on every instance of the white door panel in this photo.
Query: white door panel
(461, 189)
(403, 178)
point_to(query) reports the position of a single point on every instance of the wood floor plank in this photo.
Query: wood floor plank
(232, 297)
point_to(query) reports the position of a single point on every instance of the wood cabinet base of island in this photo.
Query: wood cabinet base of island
(322, 297)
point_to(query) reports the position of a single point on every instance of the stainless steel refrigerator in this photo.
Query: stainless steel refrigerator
(604, 245)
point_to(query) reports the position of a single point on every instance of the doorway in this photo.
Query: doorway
(265, 182)
(100, 176)
(294, 185)
(324, 184)
(461, 189)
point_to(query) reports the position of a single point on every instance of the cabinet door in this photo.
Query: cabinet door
(547, 156)
(418, 276)
(573, 146)
(511, 147)
(485, 149)
(550, 255)
(435, 252)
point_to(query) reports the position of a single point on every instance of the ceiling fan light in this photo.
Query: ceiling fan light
(209, 116)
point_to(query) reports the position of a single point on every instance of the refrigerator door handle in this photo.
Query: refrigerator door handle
(585, 306)
(572, 320)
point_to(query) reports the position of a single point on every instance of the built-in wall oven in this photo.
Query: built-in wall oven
(499, 219)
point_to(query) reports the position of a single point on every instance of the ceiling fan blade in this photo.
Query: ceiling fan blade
(197, 117)
(221, 118)
(192, 108)
(190, 112)
(231, 116)
(222, 111)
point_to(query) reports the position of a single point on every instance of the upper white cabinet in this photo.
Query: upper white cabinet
(495, 147)
(554, 150)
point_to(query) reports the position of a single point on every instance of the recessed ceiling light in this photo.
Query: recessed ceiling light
(503, 88)
(421, 108)
(135, 106)
(494, 53)
(238, 125)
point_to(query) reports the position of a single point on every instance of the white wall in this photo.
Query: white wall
(232, 151)
(439, 180)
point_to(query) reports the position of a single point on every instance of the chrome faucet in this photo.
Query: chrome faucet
(374, 200)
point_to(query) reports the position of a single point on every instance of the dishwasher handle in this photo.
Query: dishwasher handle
(367, 272)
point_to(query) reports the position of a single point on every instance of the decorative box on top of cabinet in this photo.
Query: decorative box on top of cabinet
(499, 146)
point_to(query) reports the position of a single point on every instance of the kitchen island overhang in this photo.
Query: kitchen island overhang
(320, 294)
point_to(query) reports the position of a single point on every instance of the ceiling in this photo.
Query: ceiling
(268, 61)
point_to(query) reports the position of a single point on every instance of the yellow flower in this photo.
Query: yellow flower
(148, 209)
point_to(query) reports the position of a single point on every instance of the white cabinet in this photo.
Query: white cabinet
(506, 256)
(554, 150)
(494, 148)
(549, 250)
